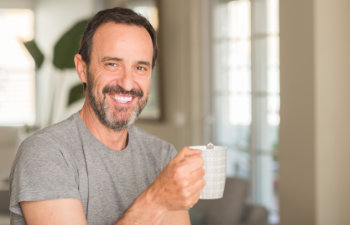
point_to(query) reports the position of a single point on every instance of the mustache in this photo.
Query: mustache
(119, 90)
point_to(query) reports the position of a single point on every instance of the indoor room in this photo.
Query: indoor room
(266, 79)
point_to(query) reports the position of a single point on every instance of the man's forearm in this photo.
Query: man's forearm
(143, 211)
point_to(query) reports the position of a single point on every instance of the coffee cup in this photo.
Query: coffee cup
(215, 170)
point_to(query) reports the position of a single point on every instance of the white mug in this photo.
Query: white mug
(215, 171)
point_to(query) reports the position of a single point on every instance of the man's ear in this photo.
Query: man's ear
(81, 68)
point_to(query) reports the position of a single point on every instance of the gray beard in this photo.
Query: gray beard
(106, 116)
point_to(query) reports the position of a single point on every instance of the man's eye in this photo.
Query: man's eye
(112, 64)
(141, 68)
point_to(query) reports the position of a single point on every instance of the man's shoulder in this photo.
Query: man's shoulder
(58, 133)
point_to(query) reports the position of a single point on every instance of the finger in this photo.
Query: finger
(198, 173)
(192, 151)
(181, 154)
(197, 186)
(193, 163)
(196, 193)
(195, 198)
(186, 151)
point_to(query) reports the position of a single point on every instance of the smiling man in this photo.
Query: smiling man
(96, 167)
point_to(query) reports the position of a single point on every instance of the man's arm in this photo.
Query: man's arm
(176, 217)
(54, 212)
(165, 201)
(70, 211)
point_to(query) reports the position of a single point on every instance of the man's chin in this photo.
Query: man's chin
(121, 118)
(121, 122)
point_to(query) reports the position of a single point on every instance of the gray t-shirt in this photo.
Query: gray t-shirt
(67, 161)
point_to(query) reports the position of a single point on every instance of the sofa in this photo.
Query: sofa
(232, 209)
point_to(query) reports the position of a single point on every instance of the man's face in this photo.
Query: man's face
(119, 73)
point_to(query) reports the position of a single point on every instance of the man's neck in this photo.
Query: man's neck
(113, 139)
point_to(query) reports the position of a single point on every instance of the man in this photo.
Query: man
(95, 167)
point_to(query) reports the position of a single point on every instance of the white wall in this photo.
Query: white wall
(332, 69)
(315, 124)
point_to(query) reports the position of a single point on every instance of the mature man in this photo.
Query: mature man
(95, 167)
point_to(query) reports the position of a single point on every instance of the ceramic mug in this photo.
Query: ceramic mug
(215, 171)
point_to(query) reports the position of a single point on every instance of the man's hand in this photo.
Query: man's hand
(178, 186)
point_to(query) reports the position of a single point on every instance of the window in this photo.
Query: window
(245, 95)
(17, 68)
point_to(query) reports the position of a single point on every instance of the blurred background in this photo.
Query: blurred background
(266, 78)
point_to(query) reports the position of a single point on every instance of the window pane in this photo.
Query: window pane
(16, 108)
(17, 77)
(238, 19)
(239, 80)
(272, 15)
(235, 137)
(239, 53)
(240, 110)
(273, 111)
(273, 52)
(226, 133)
(267, 9)
(220, 14)
(220, 66)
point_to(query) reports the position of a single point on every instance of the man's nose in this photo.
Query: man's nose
(126, 80)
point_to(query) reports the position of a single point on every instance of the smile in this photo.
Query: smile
(123, 99)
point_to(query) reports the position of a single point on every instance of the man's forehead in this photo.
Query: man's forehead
(121, 28)
(115, 39)
(112, 31)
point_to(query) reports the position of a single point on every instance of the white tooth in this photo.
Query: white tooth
(123, 99)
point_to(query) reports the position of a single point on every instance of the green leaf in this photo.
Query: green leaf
(75, 94)
(35, 52)
(67, 46)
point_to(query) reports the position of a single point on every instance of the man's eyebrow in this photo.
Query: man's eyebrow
(144, 63)
(108, 58)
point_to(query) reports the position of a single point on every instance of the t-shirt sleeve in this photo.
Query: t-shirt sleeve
(41, 171)
(171, 154)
